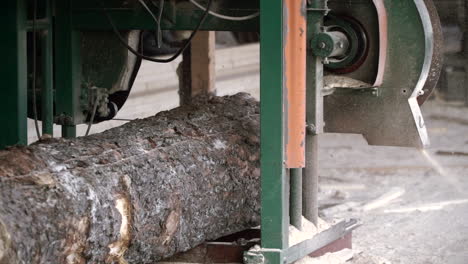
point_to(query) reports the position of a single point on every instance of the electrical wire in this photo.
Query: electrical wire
(136, 53)
(157, 20)
(34, 77)
(232, 18)
(161, 10)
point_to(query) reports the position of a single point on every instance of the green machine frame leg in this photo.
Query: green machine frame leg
(67, 68)
(275, 186)
(13, 110)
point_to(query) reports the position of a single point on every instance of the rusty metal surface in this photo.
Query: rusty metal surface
(295, 82)
(228, 249)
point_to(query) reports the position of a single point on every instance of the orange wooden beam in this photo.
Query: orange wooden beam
(295, 30)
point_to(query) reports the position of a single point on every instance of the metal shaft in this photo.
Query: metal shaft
(310, 180)
(295, 207)
(314, 116)
(47, 97)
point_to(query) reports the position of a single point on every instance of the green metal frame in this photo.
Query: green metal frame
(88, 15)
(13, 112)
(13, 109)
(275, 183)
(68, 69)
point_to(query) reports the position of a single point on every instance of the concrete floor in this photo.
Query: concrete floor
(412, 210)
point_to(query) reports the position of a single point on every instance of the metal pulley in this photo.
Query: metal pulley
(333, 44)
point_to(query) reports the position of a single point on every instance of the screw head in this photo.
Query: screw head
(311, 129)
(322, 45)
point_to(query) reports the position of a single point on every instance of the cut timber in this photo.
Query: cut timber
(137, 193)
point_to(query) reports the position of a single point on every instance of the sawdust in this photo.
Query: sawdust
(338, 257)
(384, 199)
(363, 258)
(308, 231)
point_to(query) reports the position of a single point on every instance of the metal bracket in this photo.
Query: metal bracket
(254, 256)
(305, 248)
(370, 91)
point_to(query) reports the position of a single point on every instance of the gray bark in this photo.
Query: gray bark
(137, 193)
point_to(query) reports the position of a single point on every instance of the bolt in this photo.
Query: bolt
(322, 45)
(311, 129)
(340, 45)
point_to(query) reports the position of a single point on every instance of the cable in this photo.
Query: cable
(158, 23)
(254, 15)
(136, 53)
(36, 124)
(161, 9)
(123, 119)
(91, 120)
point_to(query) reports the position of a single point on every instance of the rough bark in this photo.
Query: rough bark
(133, 194)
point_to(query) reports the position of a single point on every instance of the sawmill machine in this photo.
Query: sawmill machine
(353, 66)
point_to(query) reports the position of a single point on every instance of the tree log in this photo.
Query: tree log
(136, 193)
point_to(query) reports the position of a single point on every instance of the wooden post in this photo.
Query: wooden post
(197, 76)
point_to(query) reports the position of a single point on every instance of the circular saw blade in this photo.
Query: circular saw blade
(437, 57)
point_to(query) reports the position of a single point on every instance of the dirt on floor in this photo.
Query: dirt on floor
(413, 204)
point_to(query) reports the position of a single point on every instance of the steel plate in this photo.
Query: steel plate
(388, 119)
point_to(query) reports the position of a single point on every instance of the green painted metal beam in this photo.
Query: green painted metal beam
(13, 109)
(127, 19)
(67, 69)
(275, 186)
(88, 15)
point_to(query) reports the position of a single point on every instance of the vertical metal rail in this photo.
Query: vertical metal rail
(13, 109)
(68, 68)
(295, 207)
(314, 115)
(275, 212)
(295, 36)
(47, 93)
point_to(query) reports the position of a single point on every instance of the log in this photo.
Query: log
(136, 193)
